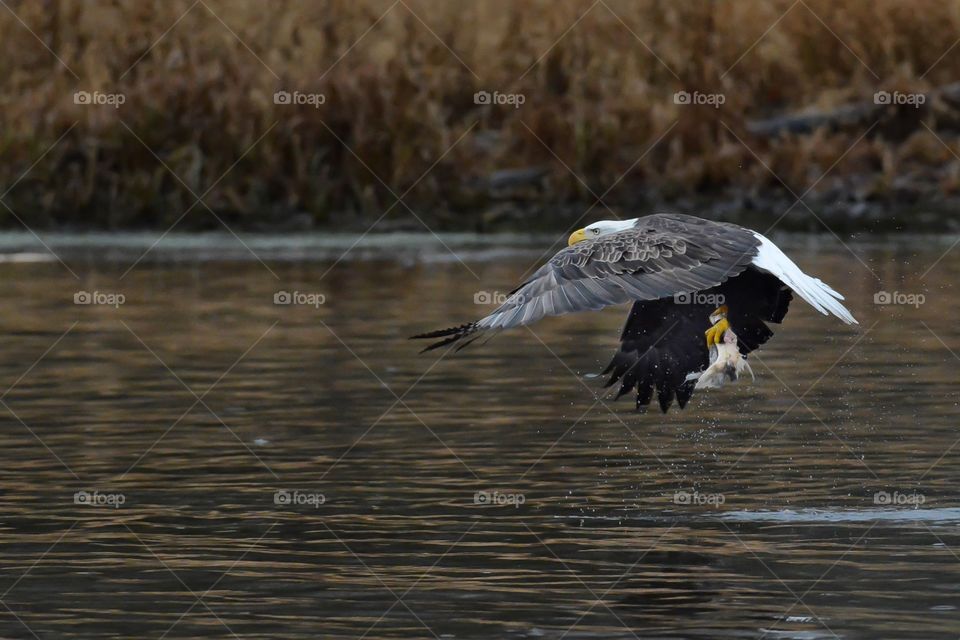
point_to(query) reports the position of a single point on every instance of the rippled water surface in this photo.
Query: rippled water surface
(492, 493)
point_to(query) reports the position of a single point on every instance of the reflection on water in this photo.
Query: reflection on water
(299, 471)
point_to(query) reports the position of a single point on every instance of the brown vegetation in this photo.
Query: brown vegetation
(597, 78)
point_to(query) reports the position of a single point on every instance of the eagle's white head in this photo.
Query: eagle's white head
(599, 229)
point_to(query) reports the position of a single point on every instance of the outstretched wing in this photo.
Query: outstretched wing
(662, 341)
(660, 256)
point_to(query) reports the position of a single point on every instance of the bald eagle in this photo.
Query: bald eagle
(697, 287)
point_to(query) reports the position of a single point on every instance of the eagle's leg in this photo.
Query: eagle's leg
(720, 325)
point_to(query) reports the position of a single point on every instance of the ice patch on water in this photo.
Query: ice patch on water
(845, 515)
(27, 256)
(796, 635)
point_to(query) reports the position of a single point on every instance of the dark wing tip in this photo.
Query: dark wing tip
(450, 336)
(685, 392)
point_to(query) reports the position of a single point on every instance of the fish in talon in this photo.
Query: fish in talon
(727, 364)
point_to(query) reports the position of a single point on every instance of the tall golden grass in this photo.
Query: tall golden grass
(399, 119)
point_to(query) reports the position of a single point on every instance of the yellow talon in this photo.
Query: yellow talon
(720, 324)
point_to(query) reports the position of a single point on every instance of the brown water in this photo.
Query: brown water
(749, 515)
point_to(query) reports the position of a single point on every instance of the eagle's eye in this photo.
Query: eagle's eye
(595, 232)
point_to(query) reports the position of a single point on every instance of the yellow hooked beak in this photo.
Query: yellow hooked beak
(577, 236)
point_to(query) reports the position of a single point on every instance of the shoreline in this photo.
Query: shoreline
(776, 211)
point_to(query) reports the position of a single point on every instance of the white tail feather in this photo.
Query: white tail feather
(818, 294)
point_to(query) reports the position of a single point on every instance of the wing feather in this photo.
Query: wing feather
(661, 255)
